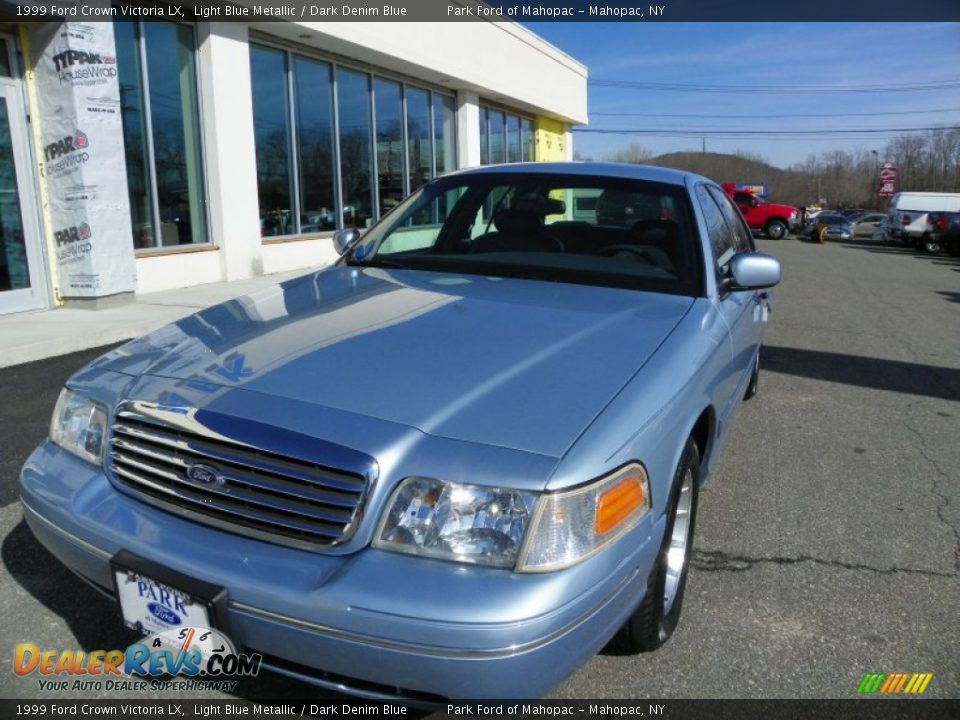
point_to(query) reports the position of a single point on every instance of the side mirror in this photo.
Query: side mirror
(753, 271)
(343, 239)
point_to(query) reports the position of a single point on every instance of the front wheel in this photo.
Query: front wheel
(654, 621)
(930, 246)
(776, 230)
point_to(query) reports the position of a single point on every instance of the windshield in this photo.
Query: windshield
(576, 229)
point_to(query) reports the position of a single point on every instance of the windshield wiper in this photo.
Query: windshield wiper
(377, 262)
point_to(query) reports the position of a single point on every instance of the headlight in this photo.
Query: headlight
(572, 525)
(79, 425)
(510, 528)
(468, 523)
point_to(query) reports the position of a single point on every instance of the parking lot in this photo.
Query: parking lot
(827, 543)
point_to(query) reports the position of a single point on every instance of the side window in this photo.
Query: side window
(721, 238)
(742, 237)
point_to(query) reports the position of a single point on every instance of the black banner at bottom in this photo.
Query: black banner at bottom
(882, 709)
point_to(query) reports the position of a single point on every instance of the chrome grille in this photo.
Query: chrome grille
(256, 492)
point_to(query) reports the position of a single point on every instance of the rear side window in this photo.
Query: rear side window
(721, 237)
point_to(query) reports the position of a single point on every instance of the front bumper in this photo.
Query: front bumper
(375, 624)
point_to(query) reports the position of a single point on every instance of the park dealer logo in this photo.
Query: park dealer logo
(87, 68)
(66, 154)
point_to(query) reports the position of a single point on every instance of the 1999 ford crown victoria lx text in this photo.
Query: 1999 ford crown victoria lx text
(455, 464)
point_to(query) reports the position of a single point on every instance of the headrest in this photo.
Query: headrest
(617, 207)
(539, 205)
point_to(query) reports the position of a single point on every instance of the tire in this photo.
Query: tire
(822, 234)
(775, 229)
(930, 246)
(754, 383)
(655, 619)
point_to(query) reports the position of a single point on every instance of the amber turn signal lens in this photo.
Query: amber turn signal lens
(616, 504)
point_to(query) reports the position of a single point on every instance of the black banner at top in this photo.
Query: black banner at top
(494, 11)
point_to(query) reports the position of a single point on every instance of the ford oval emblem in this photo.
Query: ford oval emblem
(204, 475)
(164, 614)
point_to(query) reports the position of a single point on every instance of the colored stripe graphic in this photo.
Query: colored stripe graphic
(894, 683)
(870, 683)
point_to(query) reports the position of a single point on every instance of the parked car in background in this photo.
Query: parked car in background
(851, 213)
(771, 219)
(831, 226)
(945, 230)
(911, 224)
(865, 224)
(881, 233)
(455, 464)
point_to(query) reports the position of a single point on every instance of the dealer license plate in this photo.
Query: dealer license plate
(154, 607)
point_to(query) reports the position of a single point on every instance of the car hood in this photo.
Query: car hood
(515, 363)
(774, 207)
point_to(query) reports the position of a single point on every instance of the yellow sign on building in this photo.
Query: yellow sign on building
(550, 140)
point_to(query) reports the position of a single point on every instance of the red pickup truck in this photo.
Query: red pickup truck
(772, 220)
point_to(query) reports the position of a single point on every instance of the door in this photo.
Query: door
(22, 278)
(739, 309)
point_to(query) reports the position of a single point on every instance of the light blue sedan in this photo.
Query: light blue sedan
(456, 464)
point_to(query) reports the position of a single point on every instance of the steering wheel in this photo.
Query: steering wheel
(633, 250)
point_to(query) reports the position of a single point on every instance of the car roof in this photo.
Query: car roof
(626, 171)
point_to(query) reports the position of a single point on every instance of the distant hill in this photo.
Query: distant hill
(786, 186)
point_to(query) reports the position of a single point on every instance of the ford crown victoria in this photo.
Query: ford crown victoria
(455, 464)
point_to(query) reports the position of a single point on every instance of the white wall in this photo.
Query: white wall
(230, 162)
(468, 129)
(166, 271)
(295, 254)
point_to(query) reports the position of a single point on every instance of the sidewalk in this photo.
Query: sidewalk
(36, 335)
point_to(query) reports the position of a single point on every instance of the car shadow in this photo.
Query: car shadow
(875, 373)
(950, 296)
(889, 248)
(94, 619)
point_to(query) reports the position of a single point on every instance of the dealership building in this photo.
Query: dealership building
(138, 156)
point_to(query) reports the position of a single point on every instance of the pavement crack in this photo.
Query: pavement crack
(943, 500)
(720, 561)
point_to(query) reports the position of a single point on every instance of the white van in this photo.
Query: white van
(909, 212)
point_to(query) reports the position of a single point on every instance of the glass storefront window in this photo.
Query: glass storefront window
(444, 133)
(498, 144)
(313, 86)
(14, 271)
(167, 196)
(389, 104)
(348, 161)
(272, 139)
(134, 121)
(504, 137)
(353, 103)
(484, 136)
(526, 139)
(418, 137)
(513, 139)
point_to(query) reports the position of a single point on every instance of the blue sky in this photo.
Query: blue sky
(761, 56)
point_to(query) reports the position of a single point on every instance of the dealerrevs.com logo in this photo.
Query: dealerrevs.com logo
(197, 658)
(86, 68)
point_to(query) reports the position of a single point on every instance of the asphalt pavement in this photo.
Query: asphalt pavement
(827, 542)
